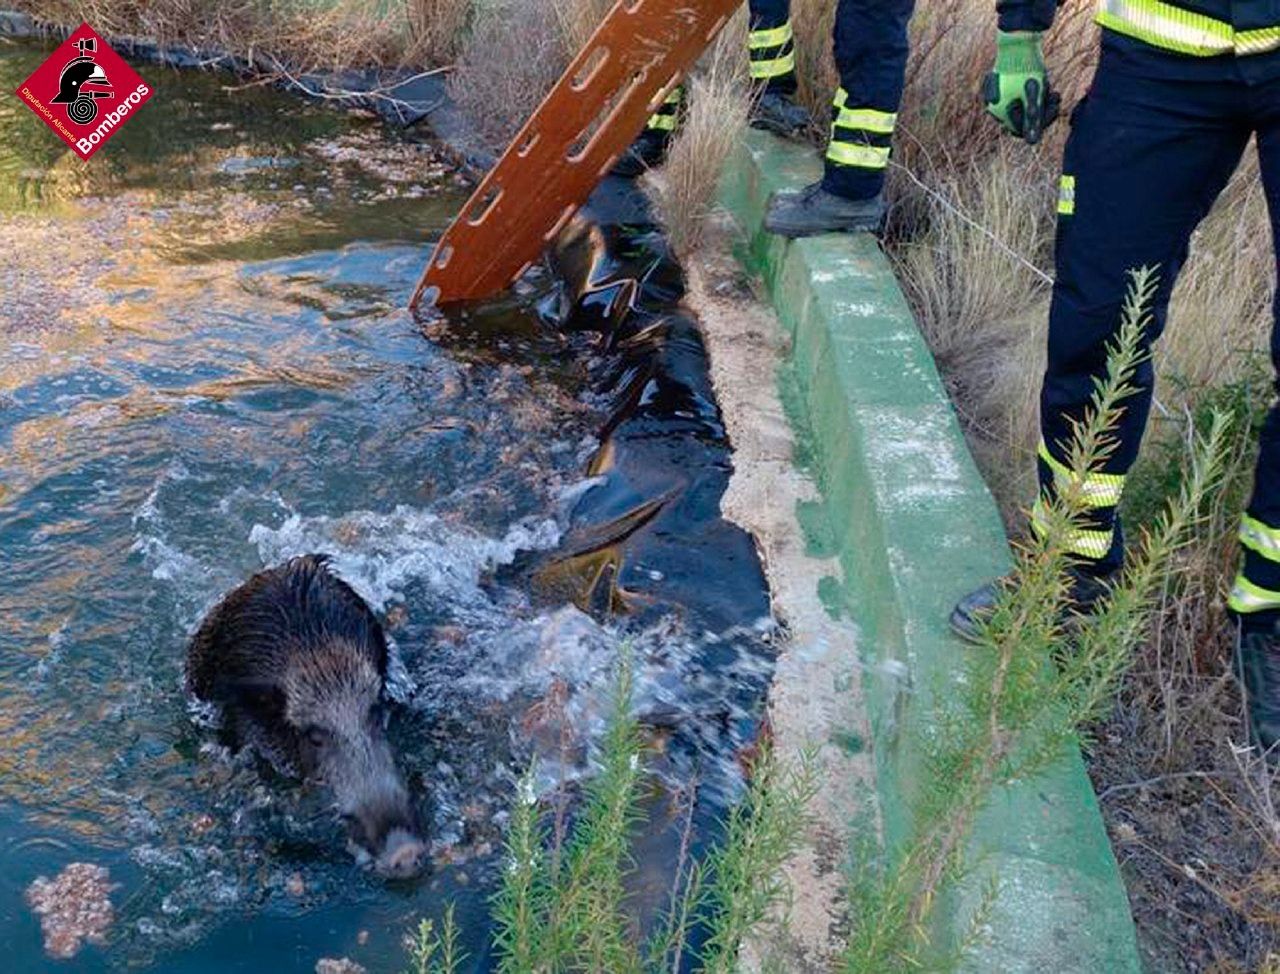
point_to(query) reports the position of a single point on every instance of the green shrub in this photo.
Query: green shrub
(563, 905)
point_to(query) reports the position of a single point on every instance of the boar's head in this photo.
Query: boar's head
(333, 701)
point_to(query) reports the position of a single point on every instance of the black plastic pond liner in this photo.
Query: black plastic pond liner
(650, 535)
(649, 538)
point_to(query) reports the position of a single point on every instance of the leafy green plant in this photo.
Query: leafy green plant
(435, 952)
(564, 906)
(747, 884)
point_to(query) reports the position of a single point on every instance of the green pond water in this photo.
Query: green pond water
(205, 368)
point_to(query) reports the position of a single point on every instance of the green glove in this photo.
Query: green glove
(1017, 91)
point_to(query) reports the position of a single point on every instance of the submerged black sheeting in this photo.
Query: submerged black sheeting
(650, 535)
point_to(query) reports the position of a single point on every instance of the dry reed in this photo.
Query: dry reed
(297, 34)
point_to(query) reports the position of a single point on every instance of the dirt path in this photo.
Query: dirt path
(816, 700)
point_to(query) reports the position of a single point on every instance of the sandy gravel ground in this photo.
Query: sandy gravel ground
(816, 700)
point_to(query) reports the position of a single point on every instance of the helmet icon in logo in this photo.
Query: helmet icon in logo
(82, 81)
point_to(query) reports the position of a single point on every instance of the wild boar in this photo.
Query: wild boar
(297, 663)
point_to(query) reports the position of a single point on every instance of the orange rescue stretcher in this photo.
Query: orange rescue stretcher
(634, 59)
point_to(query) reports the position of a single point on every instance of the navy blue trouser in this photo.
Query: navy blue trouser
(871, 56)
(1147, 157)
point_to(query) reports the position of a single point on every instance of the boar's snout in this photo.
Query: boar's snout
(403, 856)
(381, 819)
(385, 827)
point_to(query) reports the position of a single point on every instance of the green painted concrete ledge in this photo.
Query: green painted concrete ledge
(915, 528)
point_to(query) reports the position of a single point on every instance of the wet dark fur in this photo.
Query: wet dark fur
(243, 650)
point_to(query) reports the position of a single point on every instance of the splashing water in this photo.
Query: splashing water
(223, 379)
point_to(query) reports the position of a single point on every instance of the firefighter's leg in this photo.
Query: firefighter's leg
(1257, 591)
(772, 50)
(1255, 597)
(771, 45)
(650, 148)
(871, 55)
(1144, 163)
(871, 51)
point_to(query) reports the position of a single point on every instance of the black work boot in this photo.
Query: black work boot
(1258, 666)
(648, 150)
(778, 113)
(813, 210)
(972, 612)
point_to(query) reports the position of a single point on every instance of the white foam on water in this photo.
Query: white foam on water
(399, 684)
(380, 555)
(149, 511)
(552, 678)
(56, 640)
(503, 680)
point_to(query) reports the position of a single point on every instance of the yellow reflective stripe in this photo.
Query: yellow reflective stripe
(1172, 28)
(867, 119)
(772, 37)
(662, 123)
(1097, 489)
(865, 156)
(1079, 541)
(1247, 597)
(675, 96)
(1067, 196)
(1258, 41)
(774, 67)
(1167, 26)
(1256, 536)
(1155, 39)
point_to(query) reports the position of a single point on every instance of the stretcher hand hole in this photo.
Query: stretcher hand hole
(480, 210)
(561, 223)
(585, 142)
(596, 60)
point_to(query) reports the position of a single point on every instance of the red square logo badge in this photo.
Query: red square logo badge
(84, 92)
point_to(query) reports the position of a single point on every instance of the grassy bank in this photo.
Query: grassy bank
(1037, 680)
(1192, 817)
(293, 35)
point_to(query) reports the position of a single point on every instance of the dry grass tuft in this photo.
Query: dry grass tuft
(302, 36)
(512, 58)
(577, 20)
(436, 29)
(516, 51)
(716, 117)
